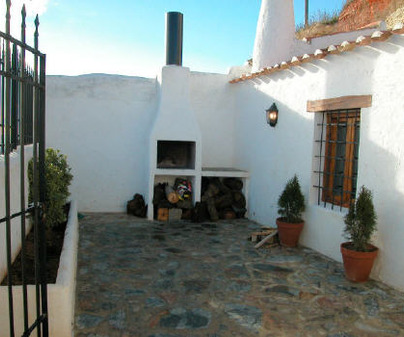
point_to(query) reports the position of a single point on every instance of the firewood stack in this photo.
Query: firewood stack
(223, 199)
(166, 198)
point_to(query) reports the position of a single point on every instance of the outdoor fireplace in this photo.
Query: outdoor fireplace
(175, 140)
(175, 154)
(175, 145)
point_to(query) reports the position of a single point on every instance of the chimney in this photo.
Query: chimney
(174, 24)
(275, 35)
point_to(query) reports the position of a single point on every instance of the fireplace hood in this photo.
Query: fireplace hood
(175, 120)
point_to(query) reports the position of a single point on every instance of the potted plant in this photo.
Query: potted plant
(291, 206)
(358, 254)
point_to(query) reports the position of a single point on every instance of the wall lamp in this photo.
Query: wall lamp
(272, 115)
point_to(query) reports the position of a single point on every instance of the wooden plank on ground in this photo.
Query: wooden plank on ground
(259, 244)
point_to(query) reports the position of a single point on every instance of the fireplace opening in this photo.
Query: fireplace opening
(175, 154)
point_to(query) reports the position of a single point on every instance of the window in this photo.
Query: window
(338, 157)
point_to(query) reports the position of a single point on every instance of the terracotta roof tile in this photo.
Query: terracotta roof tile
(380, 36)
(320, 54)
(346, 46)
(332, 50)
(398, 29)
(295, 61)
(363, 40)
(307, 58)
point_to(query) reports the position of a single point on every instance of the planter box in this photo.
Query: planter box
(61, 295)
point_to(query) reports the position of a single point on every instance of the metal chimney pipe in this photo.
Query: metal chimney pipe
(174, 24)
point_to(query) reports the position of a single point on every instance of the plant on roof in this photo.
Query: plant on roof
(291, 202)
(361, 220)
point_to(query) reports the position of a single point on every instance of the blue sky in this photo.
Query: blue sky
(127, 36)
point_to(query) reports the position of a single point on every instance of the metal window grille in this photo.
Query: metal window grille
(337, 157)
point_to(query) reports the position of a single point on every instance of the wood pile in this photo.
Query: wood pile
(179, 197)
(221, 199)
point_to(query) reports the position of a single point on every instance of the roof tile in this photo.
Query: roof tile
(345, 46)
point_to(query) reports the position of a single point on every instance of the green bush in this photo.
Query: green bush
(58, 178)
(291, 202)
(360, 222)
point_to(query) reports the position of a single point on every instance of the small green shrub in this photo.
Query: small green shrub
(360, 222)
(58, 178)
(291, 202)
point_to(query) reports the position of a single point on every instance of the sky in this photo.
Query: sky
(127, 37)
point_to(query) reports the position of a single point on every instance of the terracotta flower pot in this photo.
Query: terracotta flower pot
(289, 233)
(358, 265)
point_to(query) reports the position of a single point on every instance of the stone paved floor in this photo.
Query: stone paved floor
(142, 279)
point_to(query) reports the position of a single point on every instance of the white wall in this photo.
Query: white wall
(273, 155)
(103, 124)
(213, 103)
(15, 206)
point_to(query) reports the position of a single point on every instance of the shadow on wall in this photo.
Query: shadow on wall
(380, 149)
(382, 165)
(272, 155)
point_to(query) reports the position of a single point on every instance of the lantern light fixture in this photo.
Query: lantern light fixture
(272, 115)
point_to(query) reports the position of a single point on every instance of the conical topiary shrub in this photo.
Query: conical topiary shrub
(291, 206)
(358, 254)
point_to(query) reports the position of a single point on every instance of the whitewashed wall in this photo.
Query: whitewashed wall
(103, 123)
(213, 103)
(15, 206)
(273, 155)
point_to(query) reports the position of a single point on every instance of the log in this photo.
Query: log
(214, 216)
(259, 244)
(223, 201)
(187, 214)
(223, 189)
(185, 204)
(240, 212)
(233, 184)
(227, 214)
(211, 192)
(171, 195)
(162, 214)
(159, 193)
(200, 213)
(239, 199)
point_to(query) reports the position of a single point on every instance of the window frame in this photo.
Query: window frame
(336, 119)
(333, 105)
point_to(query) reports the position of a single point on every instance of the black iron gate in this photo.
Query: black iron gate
(22, 131)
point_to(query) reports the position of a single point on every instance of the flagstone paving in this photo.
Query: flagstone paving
(149, 279)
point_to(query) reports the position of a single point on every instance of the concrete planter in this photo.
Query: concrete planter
(61, 295)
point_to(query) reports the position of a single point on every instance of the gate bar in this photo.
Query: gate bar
(22, 86)
(7, 174)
